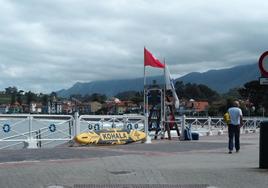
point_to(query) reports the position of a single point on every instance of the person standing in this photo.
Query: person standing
(236, 122)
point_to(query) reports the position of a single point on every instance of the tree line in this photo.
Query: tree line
(253, 97)
(22, 97)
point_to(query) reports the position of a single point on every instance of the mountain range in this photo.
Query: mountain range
(221, 80)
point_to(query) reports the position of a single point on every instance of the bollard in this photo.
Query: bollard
(263, 155)
(30, 143)
(182, 137)
(209, 133)
(209, 127)
(220, 132)
(76, 124)
(148, 137)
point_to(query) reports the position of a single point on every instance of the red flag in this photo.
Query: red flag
(150, 60)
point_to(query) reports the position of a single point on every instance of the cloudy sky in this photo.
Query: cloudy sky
(47, 45)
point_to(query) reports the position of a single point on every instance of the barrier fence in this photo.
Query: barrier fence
(40, 131)
(33, 131)
(93, 122)
(216, 125)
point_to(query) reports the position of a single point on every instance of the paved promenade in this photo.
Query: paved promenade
(203, 163)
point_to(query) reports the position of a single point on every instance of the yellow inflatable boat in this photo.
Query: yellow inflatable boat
(110, 136)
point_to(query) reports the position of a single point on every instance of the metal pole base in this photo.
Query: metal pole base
(148, 140)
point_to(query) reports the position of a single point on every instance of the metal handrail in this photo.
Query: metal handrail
(32, 134)
(29, 130)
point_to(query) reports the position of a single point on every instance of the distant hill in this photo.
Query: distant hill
(224, 79)
(107, 87)
(219, 80)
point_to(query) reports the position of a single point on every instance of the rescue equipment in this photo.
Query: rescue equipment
(110, 136)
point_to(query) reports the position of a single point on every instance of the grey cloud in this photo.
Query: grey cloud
(50, 45)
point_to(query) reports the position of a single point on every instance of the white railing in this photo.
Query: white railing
(36, 131)
(216, 125)
(32, 131)
(97, 122)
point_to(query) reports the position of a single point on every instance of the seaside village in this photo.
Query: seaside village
(112, 106)
(115, 106)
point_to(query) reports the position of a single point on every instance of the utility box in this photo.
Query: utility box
(263, 161)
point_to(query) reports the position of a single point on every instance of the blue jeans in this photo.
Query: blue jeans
(234, 132)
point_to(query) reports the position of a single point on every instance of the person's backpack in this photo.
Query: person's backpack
(226, 118)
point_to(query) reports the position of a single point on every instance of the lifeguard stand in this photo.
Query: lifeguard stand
(161, 110)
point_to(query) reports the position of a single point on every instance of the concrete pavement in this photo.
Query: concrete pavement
(203, 162)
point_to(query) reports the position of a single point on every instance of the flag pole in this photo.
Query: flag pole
(164, 104)
(144, 84)
(145, 111)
